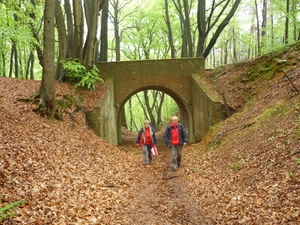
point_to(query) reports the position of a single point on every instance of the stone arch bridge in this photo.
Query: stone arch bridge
(181, 79)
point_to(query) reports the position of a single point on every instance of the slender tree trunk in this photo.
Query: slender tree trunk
(201, 27)
(188, 28)
(264, 24)
(160, 107)
(117, 30)
(252, 51)
(62, 41)
(225, 49)
(78, 30)
(46, 106)
(184, 51)
(234, 47)
(3, 64)
(257, 29)
(69, 28)
(149, 108)
(294, 18)
(16, 62)
(143, 106)
(104, 28)
(287, 22)
(13, 61)
(170, 33)
(90, 46)
(35, 33)
(221, 27)
(29, 66)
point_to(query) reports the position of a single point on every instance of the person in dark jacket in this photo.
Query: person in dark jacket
(175, 138)
(146, 139)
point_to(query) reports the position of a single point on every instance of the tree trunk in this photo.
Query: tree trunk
(160, 107)
(78, 30)
(117, 32)
(91, 7)
(35, 33)
(184, 44)
(104, 29)
(220, 28)
(264, 24)
(287, 22)
(170, 33)
(234, 46)
(252, 52)
(188, 28)
(272, 32)
(29, 67)
(3, 64)
(46, 106)
(257, 30)
(149, 108)
(69, 28)
(225, 49)
(62, 41)
(201, 20)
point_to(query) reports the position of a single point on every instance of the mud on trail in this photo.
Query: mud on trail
(161, 195)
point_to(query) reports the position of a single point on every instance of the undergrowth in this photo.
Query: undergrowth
(6, 211)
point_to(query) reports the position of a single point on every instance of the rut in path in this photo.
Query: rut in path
(160, 195)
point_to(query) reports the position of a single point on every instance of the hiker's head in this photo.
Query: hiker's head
(146, 123)
(174, 120)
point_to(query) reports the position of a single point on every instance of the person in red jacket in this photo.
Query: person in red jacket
(175, 138)
(146, 139)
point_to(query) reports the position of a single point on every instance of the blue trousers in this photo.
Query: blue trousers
(147, 152)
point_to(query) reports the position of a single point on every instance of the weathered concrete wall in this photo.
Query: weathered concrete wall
(207, 109)
(102, 119)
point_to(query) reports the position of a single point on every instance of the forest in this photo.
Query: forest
(82, 33)
(55, 170)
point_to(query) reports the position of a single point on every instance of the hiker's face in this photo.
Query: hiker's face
(174, 120)
(146, 125)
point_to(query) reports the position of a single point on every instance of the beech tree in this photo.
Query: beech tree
(205, 24)
(46, 92)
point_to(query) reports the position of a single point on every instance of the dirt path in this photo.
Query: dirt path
(161, 195)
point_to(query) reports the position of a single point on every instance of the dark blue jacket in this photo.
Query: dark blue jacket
(182, 135)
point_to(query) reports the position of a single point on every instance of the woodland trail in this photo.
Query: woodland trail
(160, 195)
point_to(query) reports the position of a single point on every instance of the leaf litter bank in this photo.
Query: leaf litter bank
(68, 175)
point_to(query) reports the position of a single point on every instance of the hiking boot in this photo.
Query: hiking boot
(174, 168)
(178, 164)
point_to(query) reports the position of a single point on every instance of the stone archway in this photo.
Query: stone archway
(179, 78)
(185, 114)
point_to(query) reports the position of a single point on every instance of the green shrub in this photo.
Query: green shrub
(80, 75)
(6, 210)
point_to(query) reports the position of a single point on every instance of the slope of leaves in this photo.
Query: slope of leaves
(245, 171)
(64, 172)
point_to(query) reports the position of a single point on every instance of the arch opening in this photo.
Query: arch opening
(181, 110)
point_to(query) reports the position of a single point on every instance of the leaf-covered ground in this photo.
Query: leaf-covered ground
(245, 171)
